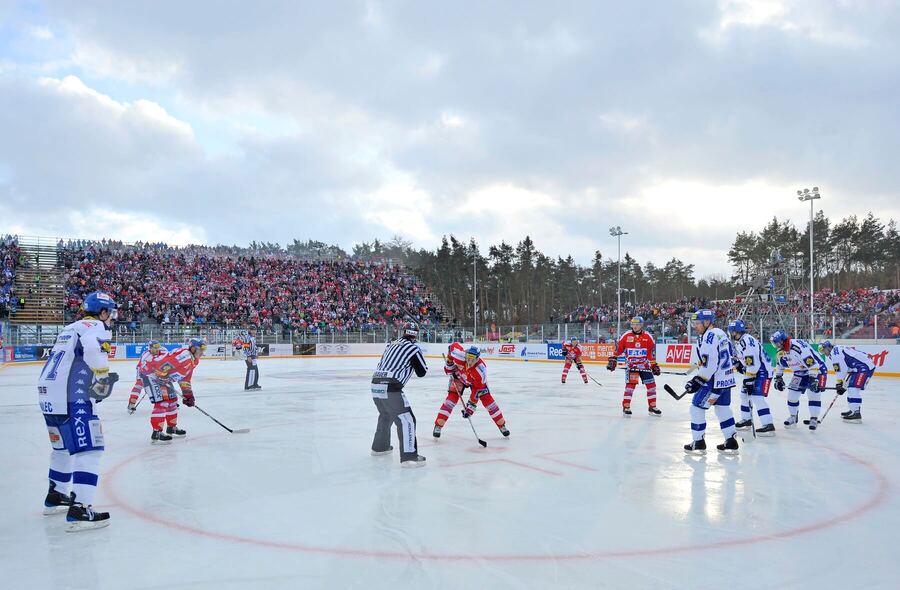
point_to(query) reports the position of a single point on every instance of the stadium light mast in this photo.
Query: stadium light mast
(617, 233)
(474, 292)
(807, 195)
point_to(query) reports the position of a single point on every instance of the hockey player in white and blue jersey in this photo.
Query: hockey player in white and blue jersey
(853, 370)
(753, 363)
(712, 385)
(76, 377)
(810, 374)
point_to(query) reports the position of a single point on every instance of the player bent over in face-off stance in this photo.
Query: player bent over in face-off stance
(753, 363)
(572, 353)
(454, 365)
(853, 369)
(400, 359)
(639, 349)
(164, 372)
(76, 377)
(810, 374)
(142, 381)
(712, 385)
(472, 373)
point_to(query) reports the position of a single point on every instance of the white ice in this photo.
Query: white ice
(578, 497)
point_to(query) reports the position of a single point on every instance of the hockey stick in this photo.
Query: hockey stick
(134, 409)
(752, 423)
(232, 431)
(829, 406)
(481, 442)
(671, 392)
(661, 372)
(594, 380)
(469, 418)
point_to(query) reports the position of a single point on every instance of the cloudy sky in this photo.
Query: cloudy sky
(225, 121)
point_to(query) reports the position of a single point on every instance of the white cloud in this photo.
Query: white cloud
(41, 33)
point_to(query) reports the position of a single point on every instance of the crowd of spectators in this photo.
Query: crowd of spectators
(10, 259)
(199, 285)
(850, 308)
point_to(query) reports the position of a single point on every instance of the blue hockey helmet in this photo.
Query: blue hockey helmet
(637, 323)
(737, 328)
(198, 343)
(473, 352)
(703, 315)
(97, 302)
(779, 338)
(154, 346)
(826, 345)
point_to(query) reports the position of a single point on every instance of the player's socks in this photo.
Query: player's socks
(160, 438)
(83, 518)
(176, 432)
(697, 447)
(56, 502)
(729, 447)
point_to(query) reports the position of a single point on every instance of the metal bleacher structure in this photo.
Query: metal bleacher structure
(40, 280)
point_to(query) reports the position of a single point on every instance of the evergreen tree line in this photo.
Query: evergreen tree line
(518, 284)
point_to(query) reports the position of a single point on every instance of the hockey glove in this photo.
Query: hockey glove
(102, 386)
(654, 368)
(839, 388)
(469, 409)
(188, 399)
(694, 385)
(611, 365)
(818, 384)
(132, 404)
(779, 383)
(739, 367)
(747, 388)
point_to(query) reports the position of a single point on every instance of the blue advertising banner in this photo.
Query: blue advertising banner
(554, 351)
(29, 353)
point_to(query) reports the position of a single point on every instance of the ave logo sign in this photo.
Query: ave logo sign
(678, 354)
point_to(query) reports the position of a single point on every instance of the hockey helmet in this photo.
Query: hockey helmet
(780, 339)
(97, 302)
(411, 331)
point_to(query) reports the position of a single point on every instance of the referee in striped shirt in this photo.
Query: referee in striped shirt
(397, 364)
(251, 380)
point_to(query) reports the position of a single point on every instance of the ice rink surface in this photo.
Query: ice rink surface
(578, 497)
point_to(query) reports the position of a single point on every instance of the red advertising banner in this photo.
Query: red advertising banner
(678, 354)
(597, 352)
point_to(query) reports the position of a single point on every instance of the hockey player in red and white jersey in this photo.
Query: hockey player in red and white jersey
(639, 350)
(467, 370)
(572, 353)
(153, 350)
(167, 370)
